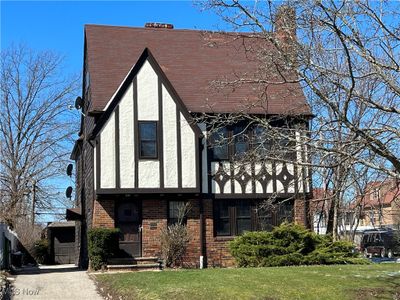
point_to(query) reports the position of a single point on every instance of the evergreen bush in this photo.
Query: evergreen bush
(103, 243)
(289, 245)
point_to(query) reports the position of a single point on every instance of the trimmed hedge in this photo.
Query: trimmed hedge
(290, 245)
(102, 244)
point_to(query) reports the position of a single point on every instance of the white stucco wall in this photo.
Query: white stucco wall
(228, 187)
(259, 189)
(126, 140)
(237, 187)
(107, 154)
(147, 89)
(270, 184)
(299, 160)
(149, 174)
(214, 185)
(188, 150)
(290, 168)
(170, 140)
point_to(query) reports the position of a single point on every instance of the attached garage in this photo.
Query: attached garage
(61, 236)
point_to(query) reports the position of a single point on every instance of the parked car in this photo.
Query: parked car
(382, 242)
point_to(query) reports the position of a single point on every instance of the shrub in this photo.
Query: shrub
(102, 244)
(40, 251)
(174, 242)
(288, 245)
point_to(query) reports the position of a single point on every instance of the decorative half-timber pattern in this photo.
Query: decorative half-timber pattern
(259, 178)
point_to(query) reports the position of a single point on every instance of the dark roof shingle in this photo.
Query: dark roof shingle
(195, 62)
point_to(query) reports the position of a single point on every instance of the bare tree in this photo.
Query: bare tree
(345, 55)
(35, 130)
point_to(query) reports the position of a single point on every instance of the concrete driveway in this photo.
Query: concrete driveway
(53, 283)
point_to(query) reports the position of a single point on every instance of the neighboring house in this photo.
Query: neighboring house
(140, 154)
(319, 209)
(8, 245)
(381, 205)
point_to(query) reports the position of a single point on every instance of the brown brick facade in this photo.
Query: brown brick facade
(301, 212)
(155, 218)
(103, 213)
(154, 214)
(217, 247)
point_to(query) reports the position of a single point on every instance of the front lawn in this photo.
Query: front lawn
(376, 281)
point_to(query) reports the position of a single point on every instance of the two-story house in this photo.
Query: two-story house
(380, 205)
(141, 153)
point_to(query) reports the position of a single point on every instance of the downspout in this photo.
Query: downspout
(203, 254)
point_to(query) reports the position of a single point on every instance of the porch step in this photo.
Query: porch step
(141, 267)
(134, 263)
(132, 260)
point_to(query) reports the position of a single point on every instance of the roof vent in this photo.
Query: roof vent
(159, 25)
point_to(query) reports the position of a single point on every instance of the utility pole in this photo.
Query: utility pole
(33, 202)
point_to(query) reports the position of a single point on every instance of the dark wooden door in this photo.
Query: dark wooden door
(129, 223)
(64, 245)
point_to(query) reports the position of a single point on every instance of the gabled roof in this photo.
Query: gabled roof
(116, 98)
(191, 60)
(381, 193)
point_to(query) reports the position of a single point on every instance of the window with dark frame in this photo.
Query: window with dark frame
(234, 217)
(177, 212)
(241, 145)
(148, 139)
(223, 218)
(261, 143)
(219, 140)
(243, 216)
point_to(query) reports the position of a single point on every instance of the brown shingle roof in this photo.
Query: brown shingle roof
(191, 60)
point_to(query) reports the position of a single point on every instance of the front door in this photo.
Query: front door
(129, 223)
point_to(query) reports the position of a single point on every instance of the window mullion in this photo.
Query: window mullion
(233, 219)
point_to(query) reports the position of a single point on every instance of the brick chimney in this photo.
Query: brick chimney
(159, 25)
(285, 33)
(285, 24)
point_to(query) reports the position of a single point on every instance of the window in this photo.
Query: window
(243, 216)
(219, 140)
(235, 140)
(233, 217)
(287, 146)
(147, 139)
(274, 214)
(177, 212)
(222, 218)
(241, 145)
(261, 142)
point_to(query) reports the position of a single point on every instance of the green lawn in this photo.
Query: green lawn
(376, 281)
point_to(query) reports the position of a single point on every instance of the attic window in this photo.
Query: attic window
(148, 139)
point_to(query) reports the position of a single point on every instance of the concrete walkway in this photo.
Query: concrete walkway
(53, 283)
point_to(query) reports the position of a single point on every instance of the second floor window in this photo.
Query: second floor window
(147, 139)
(219, 140)
(234, 141)
(241, 140)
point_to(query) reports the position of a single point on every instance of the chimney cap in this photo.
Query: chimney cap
(159, 25)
